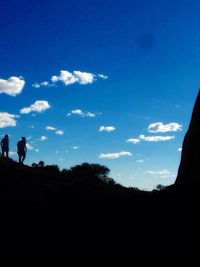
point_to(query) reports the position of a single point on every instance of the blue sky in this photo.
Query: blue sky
(114, 80)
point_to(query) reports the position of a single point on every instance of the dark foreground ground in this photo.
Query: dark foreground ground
(48, 219)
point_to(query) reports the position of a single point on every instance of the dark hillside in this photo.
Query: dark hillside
(78, 217)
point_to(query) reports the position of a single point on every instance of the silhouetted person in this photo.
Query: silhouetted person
(21, 149)
(5, 146)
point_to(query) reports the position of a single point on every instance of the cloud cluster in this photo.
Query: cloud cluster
(69, 78)
(76, 76)
(58, 132)
(156, 138)
(159, 127)
(12, 86)
(79, 112)
(7, 120)
(38, 106)
(107, 129)
(115, 155)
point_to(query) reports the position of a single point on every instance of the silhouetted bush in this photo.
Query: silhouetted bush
(52, 168)
(90, 171)
(41, 164)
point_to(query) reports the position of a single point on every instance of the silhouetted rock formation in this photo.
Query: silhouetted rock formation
(189, 169)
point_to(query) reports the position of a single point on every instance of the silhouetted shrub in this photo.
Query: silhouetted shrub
(34, 165)
(41, 164)
(52, 168)
(160, 187)
(91, 171)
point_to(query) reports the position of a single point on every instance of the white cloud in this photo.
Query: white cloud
(29, 147)
(59, 132)
(179, 149)
(133, 140)
(81, 113)
(7, 120)
(75, 147)
(42, 84)
(50, 128)
(159, 127)
(38, 106)
(68, 78)
(43, 138)
(106, 128)
(12, 86)
(90, 114)
(77, 112)
(140, 161)
(115, 155)
(79, 77)
(103, 76)
(162, 172)
(156, 138)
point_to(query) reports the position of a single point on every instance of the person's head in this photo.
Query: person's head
(23, 139)
(6, 136)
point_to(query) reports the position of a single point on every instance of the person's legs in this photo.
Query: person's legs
(23, 157)
(20, 158)
(6, 152)
(3, 153)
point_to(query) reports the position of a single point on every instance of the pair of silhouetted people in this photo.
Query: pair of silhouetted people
(21, 148)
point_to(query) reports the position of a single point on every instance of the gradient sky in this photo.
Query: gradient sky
(105, 72)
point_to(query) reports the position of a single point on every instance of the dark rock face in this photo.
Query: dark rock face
(189, 169)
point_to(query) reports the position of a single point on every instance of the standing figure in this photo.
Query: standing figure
(5, 146)
(21, 149)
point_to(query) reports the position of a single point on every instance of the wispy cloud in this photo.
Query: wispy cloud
(156, 138)
(7, 120)
(162, 172)
(107, 129)
(50, 128)
(80, 113)
(58, 132)
(133, 140)
(38, 106)
(179, 149)
(115, 155)
(42, 138)
(75, 147)
(12, 86)
(159, 127)
(29, 146)
(140, 161)
(42, 84)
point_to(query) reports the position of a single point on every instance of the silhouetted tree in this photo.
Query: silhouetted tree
(41, 164)
(91, 171)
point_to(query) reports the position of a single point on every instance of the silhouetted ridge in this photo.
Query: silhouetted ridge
(189, 169)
